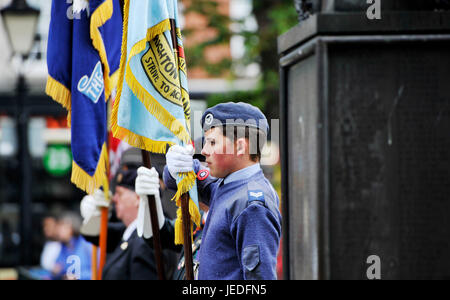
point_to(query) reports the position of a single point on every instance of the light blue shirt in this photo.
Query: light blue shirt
(242, 234)
(243, 174)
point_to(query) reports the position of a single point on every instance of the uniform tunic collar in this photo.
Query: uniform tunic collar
(242, 174)
(129, 231)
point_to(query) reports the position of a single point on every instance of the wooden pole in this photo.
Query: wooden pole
(155, 224)
(188, 260)
(152, 205)
(103, 240)
(94, 263)
(105, 210)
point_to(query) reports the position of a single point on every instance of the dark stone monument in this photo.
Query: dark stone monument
(365, 129)
(305, 8)
(393, 5)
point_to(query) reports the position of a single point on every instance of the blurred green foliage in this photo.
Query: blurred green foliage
(274, 17)
(217, 21)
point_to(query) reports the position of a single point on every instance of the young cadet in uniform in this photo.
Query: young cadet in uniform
(243, 229)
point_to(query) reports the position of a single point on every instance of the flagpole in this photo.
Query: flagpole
(94, 262)
(103, 243)
(152, 204)
(155, 225)
(103, 230)
(186, 217)
(103, 238)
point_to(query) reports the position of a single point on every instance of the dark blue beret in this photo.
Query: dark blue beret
(235, 114)
(127, 178)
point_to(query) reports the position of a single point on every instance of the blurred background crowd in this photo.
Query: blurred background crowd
(231, 55)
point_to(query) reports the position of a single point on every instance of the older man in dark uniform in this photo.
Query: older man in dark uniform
(129, 257)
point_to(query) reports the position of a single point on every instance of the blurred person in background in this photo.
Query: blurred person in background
(74, 260)
(129, 257)
(52, 246)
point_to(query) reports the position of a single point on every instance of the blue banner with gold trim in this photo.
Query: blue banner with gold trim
(83, 60)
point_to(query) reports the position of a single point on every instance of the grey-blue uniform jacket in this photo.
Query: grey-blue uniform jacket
(242, 233)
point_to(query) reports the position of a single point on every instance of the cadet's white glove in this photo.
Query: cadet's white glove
(147, 183)
(90, 208)
(180, 159)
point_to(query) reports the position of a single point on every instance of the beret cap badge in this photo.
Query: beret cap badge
(209, 119)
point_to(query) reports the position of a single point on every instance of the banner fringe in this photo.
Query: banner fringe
(184, 186)
(123, 60)
(100, 16)
(89, 183)
(156, 109)
(139, 141)
(179, 232)
(60, 94)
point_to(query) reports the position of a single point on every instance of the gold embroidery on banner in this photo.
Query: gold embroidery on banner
(161, 68)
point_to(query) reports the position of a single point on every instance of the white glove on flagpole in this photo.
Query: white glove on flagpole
(147, 183)
(180, 159)
(90, 209)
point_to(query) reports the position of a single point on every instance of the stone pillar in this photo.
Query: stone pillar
(365, 123)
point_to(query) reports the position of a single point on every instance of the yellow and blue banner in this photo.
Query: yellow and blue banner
(152, 109)
(83, 58)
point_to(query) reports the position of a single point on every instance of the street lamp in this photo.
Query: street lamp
(20, 22)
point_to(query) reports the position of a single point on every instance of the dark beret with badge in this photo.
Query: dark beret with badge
(126, 178)
(235, 114)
